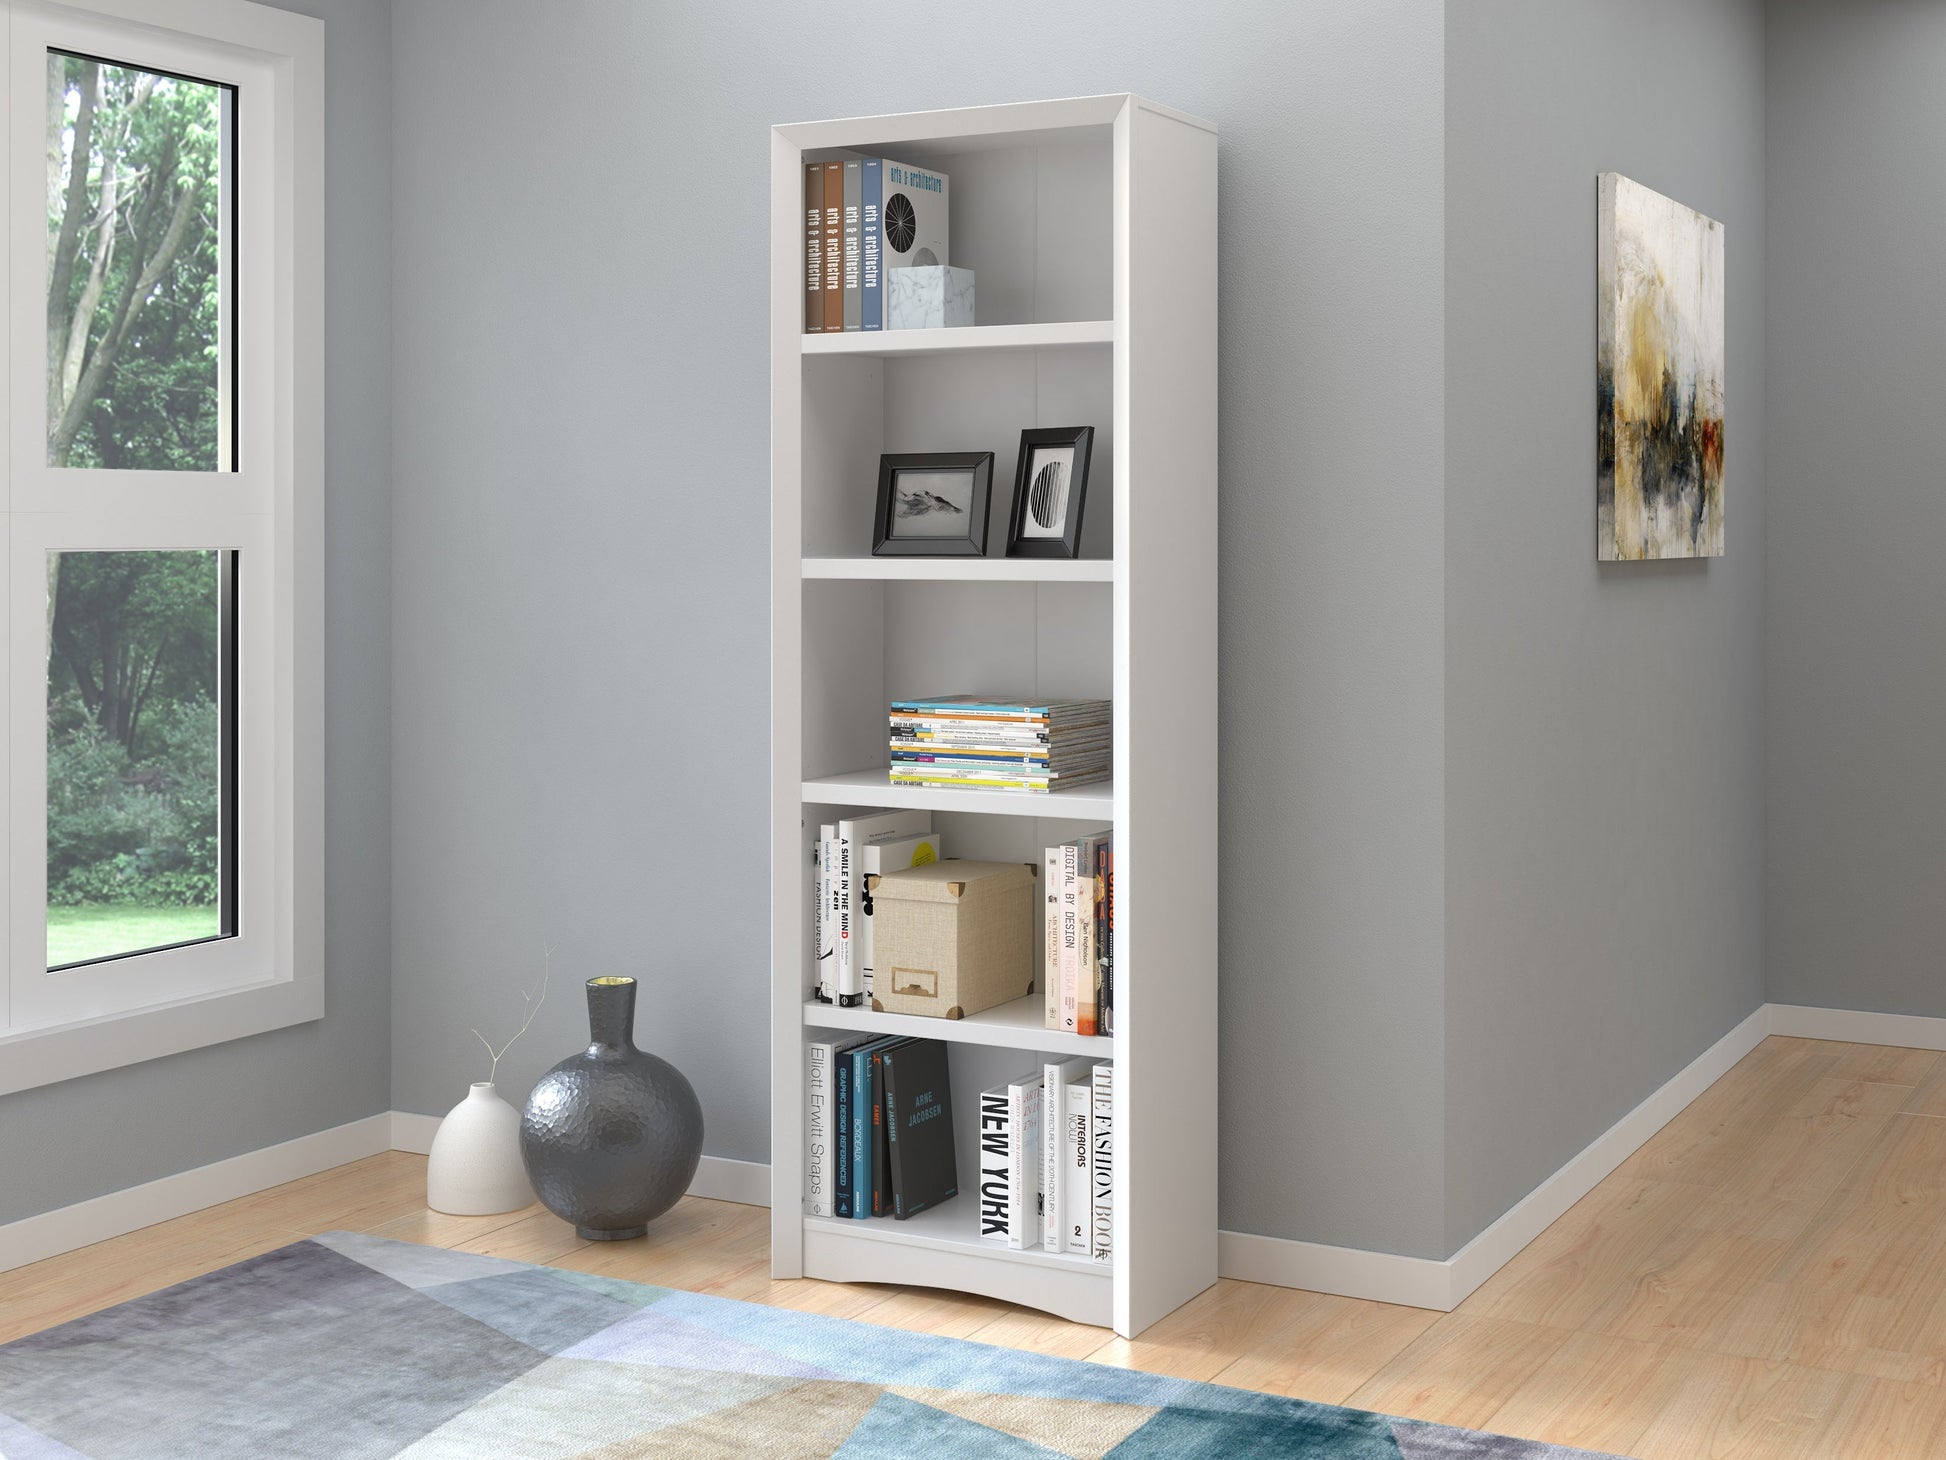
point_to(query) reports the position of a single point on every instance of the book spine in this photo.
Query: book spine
(1053, 1116)
(1077, 1194)
(841, 1153)
(1108, 941)
(996, 1167)
(861, 1134)
(893, 1159)
(1051, 941)
(817, 920)
(1070, 933)
(851, 984)
(1101, 1138)
(880, 1204)
(834, 247)
(817, 1121)
(828, 921)
(871, 252)
(1023, 1165)
(1084, 941)
(813, 247)
(854, 185)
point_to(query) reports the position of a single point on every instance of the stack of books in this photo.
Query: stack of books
(997, 743)
(1078, 934)
(1047, 1160)
(880, 1127)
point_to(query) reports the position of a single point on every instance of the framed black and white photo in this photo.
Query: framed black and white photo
(1050, 486)
(933, 504)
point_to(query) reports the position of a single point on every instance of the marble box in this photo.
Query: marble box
(928, 298)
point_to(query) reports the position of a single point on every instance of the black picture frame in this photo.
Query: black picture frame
(1068, 543)
(887, 542)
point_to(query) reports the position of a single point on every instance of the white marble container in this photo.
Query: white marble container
(928, 298)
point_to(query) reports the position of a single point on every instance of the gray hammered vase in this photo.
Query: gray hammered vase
(611, 1136)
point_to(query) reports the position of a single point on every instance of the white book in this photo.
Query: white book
(819, 1113)
(1056, 1152)
(827, 920)
(1051, 936)
(894, 855)
(996, 1168)
(1077, 1173)
(1070, 936)
(854, 833)
(1101, 1142)
(1024, 1164)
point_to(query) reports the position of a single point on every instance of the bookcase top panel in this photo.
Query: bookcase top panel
(975, 128)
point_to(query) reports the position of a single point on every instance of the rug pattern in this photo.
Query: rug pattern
(350, 1347)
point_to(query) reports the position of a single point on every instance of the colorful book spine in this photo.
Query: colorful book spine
(1077, 1186)
(861, 1130)
(1023, 1163)
(1070, 938)
(854, 195)
(813, 247)
(1084, 937)
(871, 251)
(817, 1146)
(850, 978)
(1051, 937)
(996, 1169)
(1101, 1139)
(1108, 940)
(827, 992)
(834, 247)
(841, 1142)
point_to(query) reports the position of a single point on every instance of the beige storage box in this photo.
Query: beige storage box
(952, 938)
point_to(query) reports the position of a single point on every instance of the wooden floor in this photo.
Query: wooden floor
(1766, 1277)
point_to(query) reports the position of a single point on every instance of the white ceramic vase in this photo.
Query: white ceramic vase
(475, 1169)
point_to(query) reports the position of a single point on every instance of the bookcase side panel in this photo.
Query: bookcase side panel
(788, 900)
(1166, 688)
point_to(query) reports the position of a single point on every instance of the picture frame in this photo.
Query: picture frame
(933, 504)
(1050, 490)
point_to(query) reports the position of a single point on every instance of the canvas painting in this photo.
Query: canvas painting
(1658, 377)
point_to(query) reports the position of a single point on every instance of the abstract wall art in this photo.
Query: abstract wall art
(1658, 377)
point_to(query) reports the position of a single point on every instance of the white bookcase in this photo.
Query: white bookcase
(1091, 227)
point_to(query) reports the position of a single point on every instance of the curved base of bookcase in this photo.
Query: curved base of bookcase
(1068, 1287)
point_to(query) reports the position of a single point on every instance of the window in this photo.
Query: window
(160, 593)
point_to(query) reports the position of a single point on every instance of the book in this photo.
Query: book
(854, 182)
(919, 1122)
(813, 247)
(858, 1148)
(1051, 940)
(827, 924)
(1087, 900)
(1057, 1077)
(1070, 914)
(817, 919)
(1107, 996)
(1101, 1143)
(894, 855)
(818, 1111)
(1024, 1162)
(881, 1192)
(841, 1138)
(997, 1150)
(853, 835)
(871, 275)
(1077, 1165)
(834, 247)
(914, 222)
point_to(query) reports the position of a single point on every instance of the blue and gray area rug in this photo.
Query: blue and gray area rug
(351, 1346)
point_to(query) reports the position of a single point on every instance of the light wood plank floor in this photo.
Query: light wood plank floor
(1766, 1277)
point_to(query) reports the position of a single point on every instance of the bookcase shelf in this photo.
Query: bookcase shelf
(964, 570)
(888, 344)
(1090, 225)
(1018, 1025)
(870, 788)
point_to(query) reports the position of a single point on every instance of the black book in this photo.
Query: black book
(881, 1144)
(919, 1127)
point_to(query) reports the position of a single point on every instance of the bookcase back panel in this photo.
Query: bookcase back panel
(845, 694)
(856, 409)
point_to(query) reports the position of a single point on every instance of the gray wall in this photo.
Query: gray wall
(1857, 311)
(1604, 724)
(580, 539)
(65, 1143)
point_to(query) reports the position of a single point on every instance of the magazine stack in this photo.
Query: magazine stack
(997, 743)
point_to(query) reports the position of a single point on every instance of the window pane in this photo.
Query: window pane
(137, 762)
(139, 259)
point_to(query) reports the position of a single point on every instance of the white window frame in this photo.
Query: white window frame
(269, 509)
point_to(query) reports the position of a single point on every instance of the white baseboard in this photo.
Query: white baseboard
(1856, 1026)
(1383, 1277)
(88, 1222)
